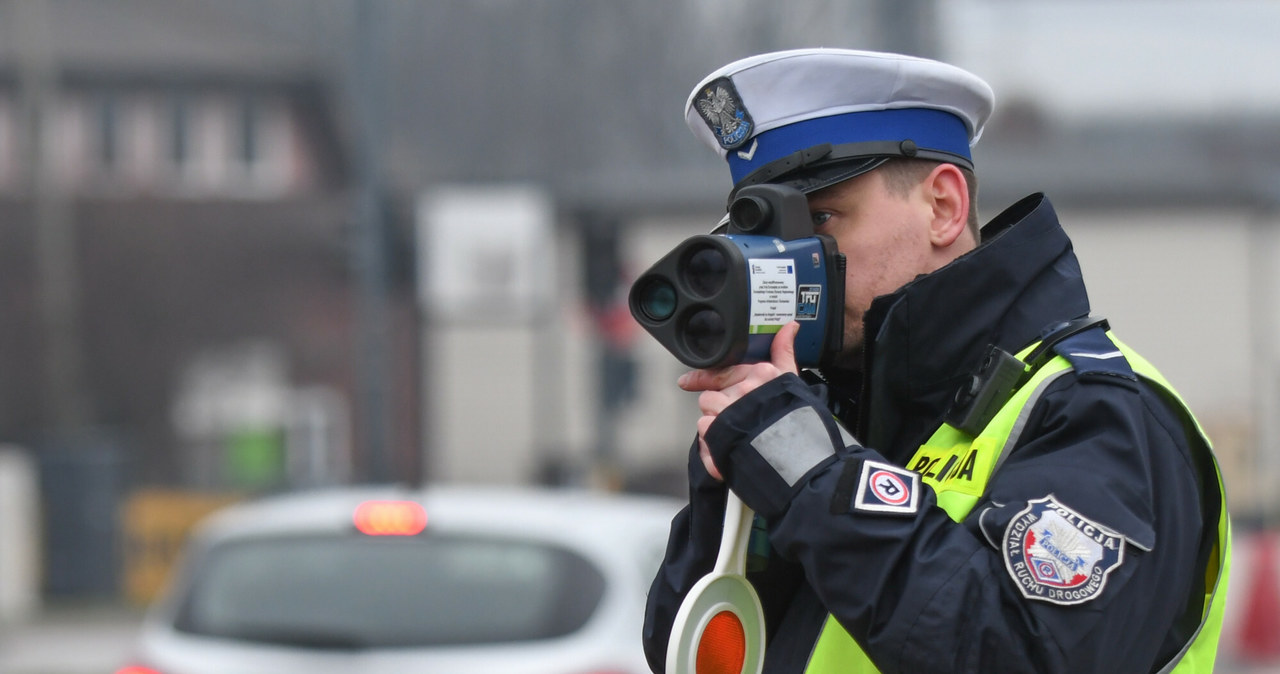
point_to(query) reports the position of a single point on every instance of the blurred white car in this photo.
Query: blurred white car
(444, 580)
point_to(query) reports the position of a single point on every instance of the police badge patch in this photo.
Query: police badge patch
(1056, 555)
(721, 108)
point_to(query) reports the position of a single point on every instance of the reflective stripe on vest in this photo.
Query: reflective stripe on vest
(958, 468)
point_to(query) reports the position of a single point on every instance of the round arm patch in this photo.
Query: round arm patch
(1056, 555)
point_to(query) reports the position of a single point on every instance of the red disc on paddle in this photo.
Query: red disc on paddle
(723, 646)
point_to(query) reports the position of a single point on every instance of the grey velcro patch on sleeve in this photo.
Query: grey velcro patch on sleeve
(794, 444)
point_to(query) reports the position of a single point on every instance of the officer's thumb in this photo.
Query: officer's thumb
(783, 350)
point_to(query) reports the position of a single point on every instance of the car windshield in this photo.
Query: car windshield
(367, 592)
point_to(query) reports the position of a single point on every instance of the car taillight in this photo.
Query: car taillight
(390, 518)
(137, 669)
(723, 646)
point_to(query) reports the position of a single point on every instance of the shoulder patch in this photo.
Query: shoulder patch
(1093, 353)
(1056, 555)
(885, 488)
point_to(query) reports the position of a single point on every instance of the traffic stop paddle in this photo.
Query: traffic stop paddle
(719, 628)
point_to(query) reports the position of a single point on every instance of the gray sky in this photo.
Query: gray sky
(1109, 57)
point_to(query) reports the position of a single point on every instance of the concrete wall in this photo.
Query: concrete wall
(507, 400)
(1196, 294)
(19, 535)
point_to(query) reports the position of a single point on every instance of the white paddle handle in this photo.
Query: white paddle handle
(733, 540)
(724, 589)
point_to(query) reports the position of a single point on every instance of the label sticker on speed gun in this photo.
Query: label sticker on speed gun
(773, 295)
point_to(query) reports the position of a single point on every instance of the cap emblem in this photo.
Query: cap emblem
(721, 108)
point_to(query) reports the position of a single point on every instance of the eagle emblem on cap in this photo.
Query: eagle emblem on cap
(721, 108)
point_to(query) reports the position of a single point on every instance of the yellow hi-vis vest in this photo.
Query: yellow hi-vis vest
(837, 652)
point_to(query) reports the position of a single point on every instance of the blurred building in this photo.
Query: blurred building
(195, 311)
(181, 264)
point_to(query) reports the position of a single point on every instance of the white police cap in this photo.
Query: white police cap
(814, 117)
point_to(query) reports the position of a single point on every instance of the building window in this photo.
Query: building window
(250, 132)
(108, 121)
(179, 131)
(8, 148)
(257, 136)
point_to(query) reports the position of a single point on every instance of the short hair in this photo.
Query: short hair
(901, 174)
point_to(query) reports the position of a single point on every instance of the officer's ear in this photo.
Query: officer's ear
(948, 195)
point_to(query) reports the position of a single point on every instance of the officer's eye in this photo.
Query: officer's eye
(820, 218)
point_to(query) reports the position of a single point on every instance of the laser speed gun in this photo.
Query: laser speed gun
(718, 299)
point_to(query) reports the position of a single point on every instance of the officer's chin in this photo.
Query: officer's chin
(849, 359)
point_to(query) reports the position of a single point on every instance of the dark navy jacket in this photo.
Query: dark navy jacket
(923, 593)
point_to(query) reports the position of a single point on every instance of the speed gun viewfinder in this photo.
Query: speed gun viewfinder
(718, 299)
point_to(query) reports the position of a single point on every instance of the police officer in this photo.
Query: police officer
(987, 479)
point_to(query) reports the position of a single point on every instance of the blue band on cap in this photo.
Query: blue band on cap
(928, 128)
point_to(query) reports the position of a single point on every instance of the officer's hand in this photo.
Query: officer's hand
(720, 388)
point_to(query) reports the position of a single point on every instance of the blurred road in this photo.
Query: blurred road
(73, 639)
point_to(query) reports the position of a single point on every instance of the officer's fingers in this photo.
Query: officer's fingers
(782, 352)
(712, 403)
(711, 380)
(693, 380)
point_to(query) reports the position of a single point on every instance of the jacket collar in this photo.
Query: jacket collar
(931, 334)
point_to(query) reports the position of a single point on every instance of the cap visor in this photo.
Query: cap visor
(814, 179)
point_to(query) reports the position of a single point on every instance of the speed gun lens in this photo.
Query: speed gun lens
(705, 333)
(657, 299)
(705, 271)
(723, 646)
(390, 518)
(750, 214)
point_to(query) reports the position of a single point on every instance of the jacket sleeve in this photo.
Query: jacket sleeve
(921, 592)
